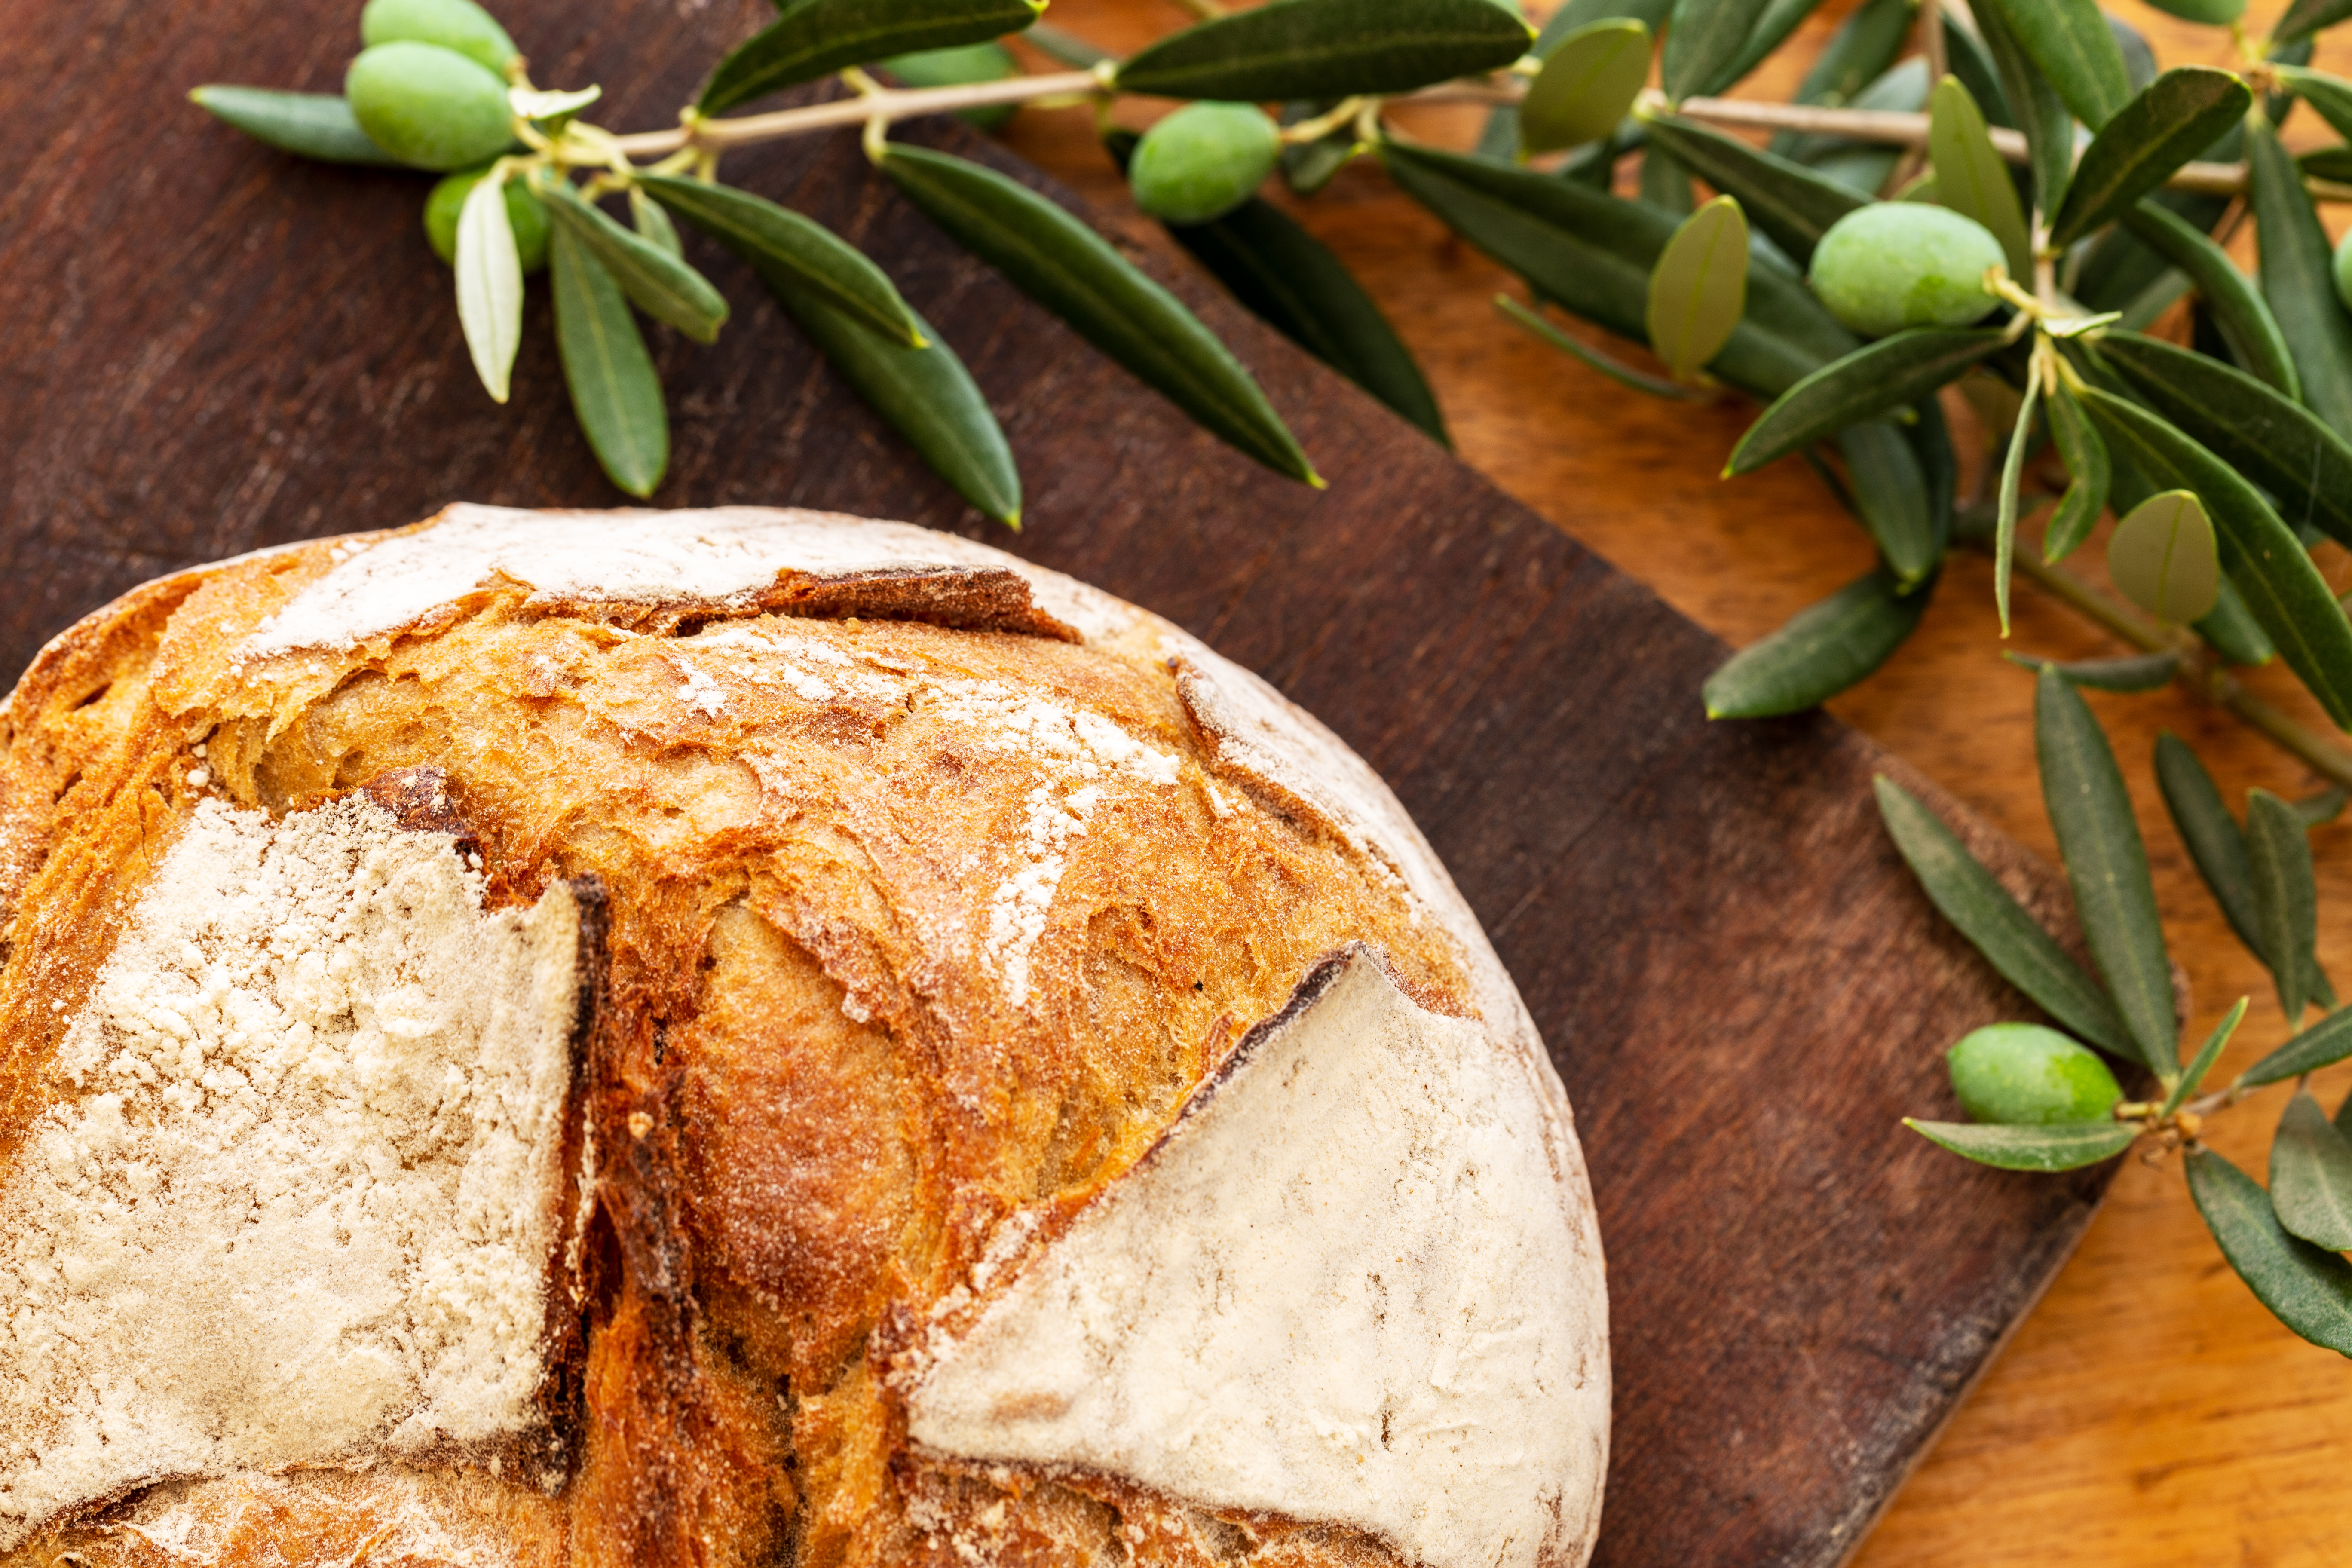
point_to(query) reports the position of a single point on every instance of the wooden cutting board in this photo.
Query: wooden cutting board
(211, 347)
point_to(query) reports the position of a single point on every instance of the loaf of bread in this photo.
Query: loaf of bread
(697, 1040)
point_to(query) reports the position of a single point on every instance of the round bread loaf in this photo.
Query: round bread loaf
(746, 1037)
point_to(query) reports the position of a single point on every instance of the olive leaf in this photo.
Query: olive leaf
(2128, 673)
(2317, 810)
(769, 235)
(2163, 557)
(1966, 57)
(2307, 1289)
(1703, 37)
(1328, 48)
(2306, 18)
(2266, 561)
(2011, 941)
(489, 283)
(2325, 1043)
(614, 392)
(1587, 85)
(1698, 289)
(1771, 29)
(1791, 204)
(2216, 845)
(1890, 497)
(1972, 179)
(1666, 184)
(2013, 478)
(1308, 166)
(1898, 369)
(2203, 1062)
(1579, 14)
(2311, 1176)
(2098, 839)
(2269, 437)
(2091, 475)
(656, 282)
(645, 216)
(2297, 279)
(2051, 1146)
(2076, 49)
(2040, 112)
(2214, 13)
(1286, 276)
(2232, 632)
(2286, 901)
(2331, 96)
(1074, 273)
(2177, 117)
(313, 124)
(1624, 374)
(810, 38)
(1820, 651)
(1865, 46)
(2239, 311)
(925, 393)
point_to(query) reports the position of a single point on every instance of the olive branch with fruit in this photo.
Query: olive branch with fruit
(1999, 201)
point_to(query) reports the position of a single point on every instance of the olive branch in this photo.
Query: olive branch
(1919, 220)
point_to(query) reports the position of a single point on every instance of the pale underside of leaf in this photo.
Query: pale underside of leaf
(489, 283)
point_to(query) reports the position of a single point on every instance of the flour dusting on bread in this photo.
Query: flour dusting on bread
(305, 1200)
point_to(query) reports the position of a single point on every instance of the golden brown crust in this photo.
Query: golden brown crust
(815, 1085)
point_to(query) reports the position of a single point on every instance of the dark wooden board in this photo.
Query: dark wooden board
(210, 347)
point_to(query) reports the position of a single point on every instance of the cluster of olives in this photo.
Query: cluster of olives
(2023, 1075)
(1892, 265)
(430, 85)
(1203, 161)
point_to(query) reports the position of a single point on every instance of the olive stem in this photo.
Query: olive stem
(886, 104)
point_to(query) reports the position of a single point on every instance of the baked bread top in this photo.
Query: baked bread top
(748, 1036)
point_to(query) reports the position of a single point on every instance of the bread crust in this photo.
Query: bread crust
(835, 1035)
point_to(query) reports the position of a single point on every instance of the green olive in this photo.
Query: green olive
(1893, 264)
(429, 107)
(2024, 1075)
(459, 25)
(526, 215)
(954, 67)
(2343, 271)
(1203, 161)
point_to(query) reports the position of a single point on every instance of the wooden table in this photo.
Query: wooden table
(2149, 1410)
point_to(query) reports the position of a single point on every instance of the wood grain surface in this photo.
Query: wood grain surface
(213, 348)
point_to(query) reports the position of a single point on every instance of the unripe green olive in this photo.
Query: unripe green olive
(1893, 264)
(1203, 161)
(956, 67)
(526, 215)
(429, 107)
(2343, 271)
(459, 25)
(2024, 1075)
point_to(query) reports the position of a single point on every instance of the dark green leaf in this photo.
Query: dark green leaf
(2051, 1146)
(810, 38)
(2318, 810)
(2012, 477)
(1308, 166)
(658, 283)
(2286, 903)
(1576, 14)
(2233, 633)
(314, 124)
(2098, 839)
(1890, 496)
(2086, 456)
(1862, 166)
(1770, 31)
(646, 217)
(1702, 37)
(1972, 179)
(2328, 162)
(2011, 941)
(2216, 845)
(760, 232)
(2246, 323)
(2203, 1062)
(1820, 652)
(1966, 57)
(1896, 370)
(2139, 55)
(2163, 557)
(926, 394)
(2264, 560)
(2149, 138)
(1865, 46)
(1788, 202)
(2330, 95)
(1074, 273)
(1328, 49)
(2215, 13)
(2311, 1176)
(2131, 672)
(614, 392)
(2325, 1043)
(1285, 276)
(1624, 374)
(1666, 184)
(2307, 16)
(2307, 1289)
(1591, 253)
(2040, 113)
(2070, 41)
(1586, 86)
(1698, 289)
(2297, 279)
(1062, 47)
(1931, 437)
